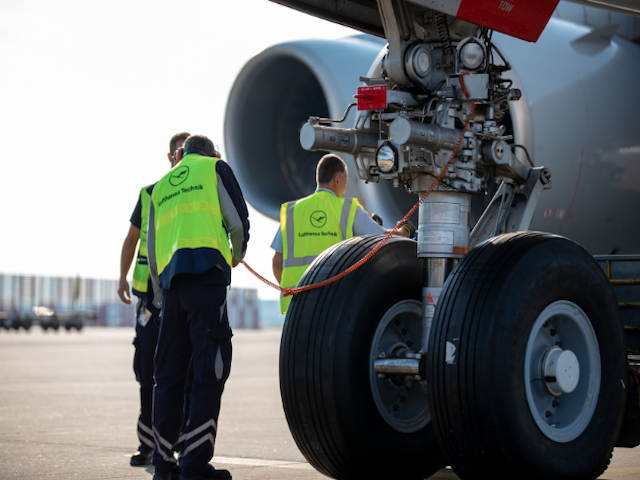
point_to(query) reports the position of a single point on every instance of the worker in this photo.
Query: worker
(316, 222)
(147, 315)
(195, 210)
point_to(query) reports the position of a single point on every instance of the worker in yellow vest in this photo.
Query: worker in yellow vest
(196, 211)
(147, 315)
(312, 224)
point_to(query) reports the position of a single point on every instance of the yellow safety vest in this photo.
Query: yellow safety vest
(187, 210)
(141, 270)
(310, 226)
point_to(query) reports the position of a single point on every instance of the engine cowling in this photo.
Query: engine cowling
(273, 96)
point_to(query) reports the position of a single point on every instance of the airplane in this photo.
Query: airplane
(485, 342)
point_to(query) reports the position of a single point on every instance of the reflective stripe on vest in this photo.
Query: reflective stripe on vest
(310, 226)
(187, 210)
(141, 270)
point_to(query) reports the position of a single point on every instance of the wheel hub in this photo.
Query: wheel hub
(560, 370)
(399, 398)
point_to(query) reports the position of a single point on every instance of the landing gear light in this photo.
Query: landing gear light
(387, 158)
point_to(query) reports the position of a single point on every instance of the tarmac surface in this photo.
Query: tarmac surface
(69, 406)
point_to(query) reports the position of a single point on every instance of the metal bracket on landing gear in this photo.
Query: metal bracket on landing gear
(511, 209)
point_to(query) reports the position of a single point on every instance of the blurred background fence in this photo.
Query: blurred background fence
(55, 302)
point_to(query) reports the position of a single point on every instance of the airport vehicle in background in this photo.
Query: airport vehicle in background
(47, 319)
(484, 345)
(55, 302)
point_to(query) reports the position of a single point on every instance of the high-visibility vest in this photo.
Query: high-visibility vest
(310, 226)
(187, 210)
(141, 270)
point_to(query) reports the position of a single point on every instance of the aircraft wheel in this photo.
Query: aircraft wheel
(526, 362)
(348, 423)
(45, 326)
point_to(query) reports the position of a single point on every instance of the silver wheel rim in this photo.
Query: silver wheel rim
(562, 417)
(403, 408)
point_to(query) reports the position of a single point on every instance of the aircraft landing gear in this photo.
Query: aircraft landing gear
(524, 363)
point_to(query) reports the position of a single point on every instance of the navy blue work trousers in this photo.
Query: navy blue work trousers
(194, 330)
(145, 343)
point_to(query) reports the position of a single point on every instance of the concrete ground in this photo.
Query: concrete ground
(69, 404)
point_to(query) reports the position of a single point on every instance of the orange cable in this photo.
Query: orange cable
(292, 291)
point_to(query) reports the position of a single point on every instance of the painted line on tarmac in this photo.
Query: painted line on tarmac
(258, 462)
(444, 474)
(621, 471)
(448, 474)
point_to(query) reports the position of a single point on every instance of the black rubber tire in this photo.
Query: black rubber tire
(488, 308)
(324, 365)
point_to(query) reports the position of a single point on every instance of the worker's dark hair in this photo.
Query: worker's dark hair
(182, 136)
(328, 166)
(200, 143)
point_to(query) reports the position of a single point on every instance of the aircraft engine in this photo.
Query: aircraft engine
(274, 94)
(577, 116)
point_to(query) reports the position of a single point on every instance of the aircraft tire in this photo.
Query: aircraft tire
(512, 303)
(326, 366)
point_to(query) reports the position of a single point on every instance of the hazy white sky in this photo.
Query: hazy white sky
(90, 94)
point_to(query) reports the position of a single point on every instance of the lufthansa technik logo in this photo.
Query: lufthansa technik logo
(318, 219)
(179, 175)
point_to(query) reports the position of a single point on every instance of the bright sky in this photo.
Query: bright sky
(91, 93)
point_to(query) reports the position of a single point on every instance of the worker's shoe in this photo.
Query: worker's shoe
(212, 473)
(142, 457)
(172, 475)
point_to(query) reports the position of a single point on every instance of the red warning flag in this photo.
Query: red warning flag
(430, 298)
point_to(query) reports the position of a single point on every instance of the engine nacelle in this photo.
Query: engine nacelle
(577, 116)
(273, 96)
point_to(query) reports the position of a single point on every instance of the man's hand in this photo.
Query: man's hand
(276, 265)
(123, 291)
(407, 230)
(126, 258)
